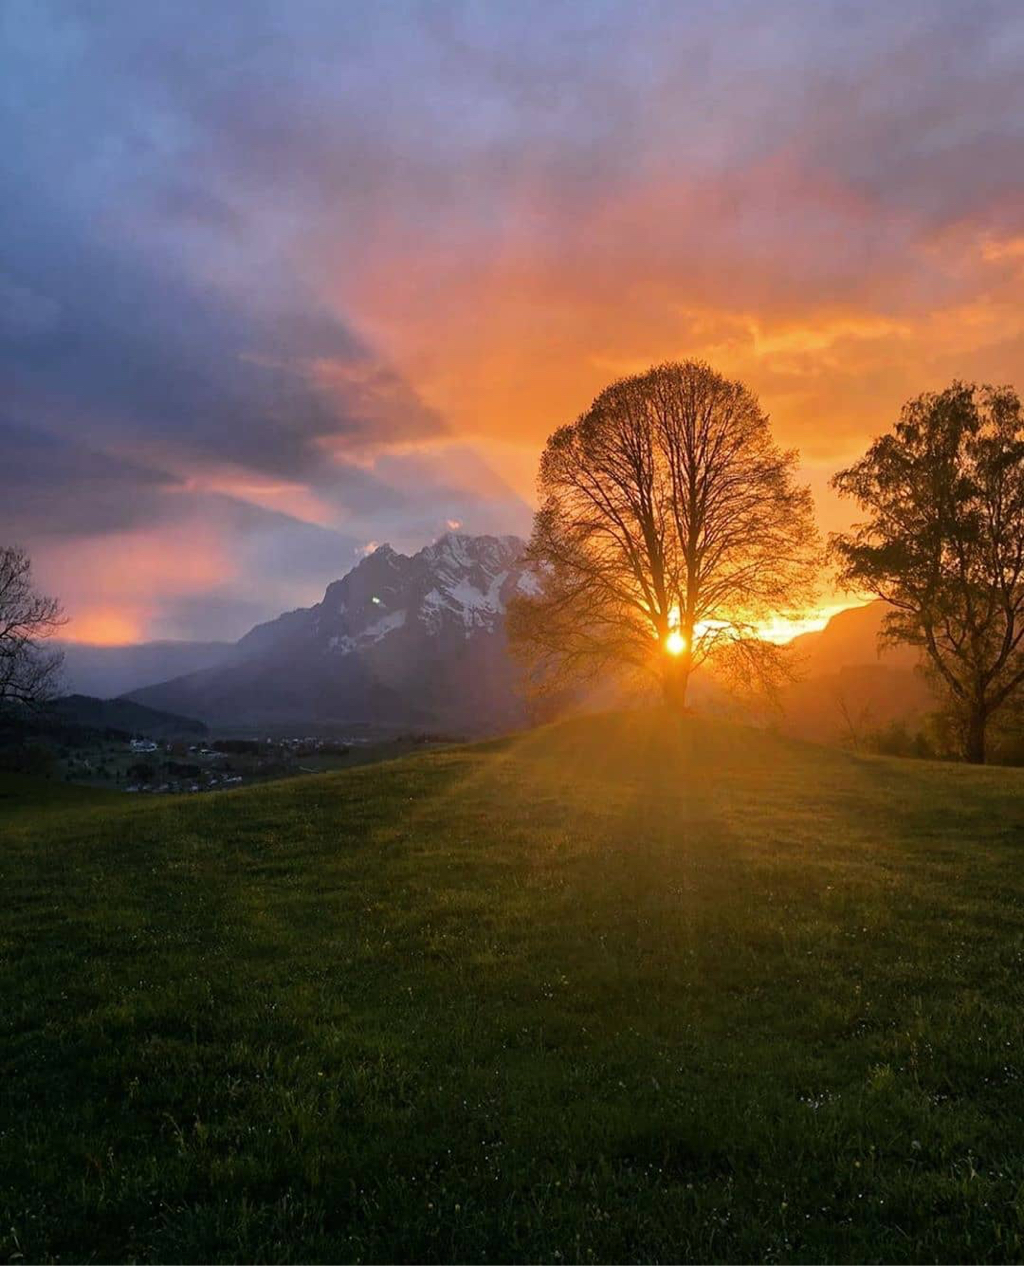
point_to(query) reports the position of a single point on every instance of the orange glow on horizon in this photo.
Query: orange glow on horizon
(106, 627)
(113, 585)
(781, 629)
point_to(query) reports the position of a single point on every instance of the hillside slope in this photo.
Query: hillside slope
(121, 714)
(851, 639)
(620, 989)
(848, 685)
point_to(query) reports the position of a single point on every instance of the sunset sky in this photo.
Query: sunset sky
(280, 281)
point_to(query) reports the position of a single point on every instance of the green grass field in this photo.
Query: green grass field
(622, 989)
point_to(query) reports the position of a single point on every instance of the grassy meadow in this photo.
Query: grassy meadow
(625, 988)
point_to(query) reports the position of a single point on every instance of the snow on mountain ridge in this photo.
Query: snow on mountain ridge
(416, 641)
(458, 582)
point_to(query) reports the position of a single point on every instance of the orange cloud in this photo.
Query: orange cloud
(284, 497)
(993, 249)
(833, 332)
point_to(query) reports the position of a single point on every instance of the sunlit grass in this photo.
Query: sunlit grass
(626, 988)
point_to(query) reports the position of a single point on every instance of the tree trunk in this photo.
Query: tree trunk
(974, 736)
(674, 682)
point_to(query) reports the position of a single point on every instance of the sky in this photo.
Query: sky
(280, 281)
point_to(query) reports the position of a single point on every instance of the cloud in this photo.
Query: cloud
(58, 486)
(275, 287)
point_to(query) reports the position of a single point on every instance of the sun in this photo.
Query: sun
(675, 643)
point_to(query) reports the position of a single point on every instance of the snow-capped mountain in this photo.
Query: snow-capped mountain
(416, 641)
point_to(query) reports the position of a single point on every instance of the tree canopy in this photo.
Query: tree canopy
(671, 528)
(942, 542)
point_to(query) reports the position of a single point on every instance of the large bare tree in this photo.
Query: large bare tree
(943, 544)
(671, 529)
(29, 670)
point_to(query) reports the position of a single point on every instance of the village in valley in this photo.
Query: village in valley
(177, 767)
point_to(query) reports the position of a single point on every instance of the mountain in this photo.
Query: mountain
(104, 671)
(848, 685)
(399, 641)
(849, 638)
(418, 642)
(121, 714)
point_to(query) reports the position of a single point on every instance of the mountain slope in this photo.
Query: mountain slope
(851, 638)
(413, 641)
(122, 714)
(850, 685)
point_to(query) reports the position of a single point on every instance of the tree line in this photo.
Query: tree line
(672, 529)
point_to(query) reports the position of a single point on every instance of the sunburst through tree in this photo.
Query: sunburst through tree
(671, 528)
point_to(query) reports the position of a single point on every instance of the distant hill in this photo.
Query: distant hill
(848, 704)
(850, 686)
(851, 638)
(105, 671)
(122, 714)
(410, 641)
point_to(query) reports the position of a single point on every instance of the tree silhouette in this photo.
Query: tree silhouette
(28, 670)
(670, 529)
(943, 544)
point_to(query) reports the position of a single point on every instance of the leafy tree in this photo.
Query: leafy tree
(29, 671)
(942, 542)
(671, 528)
